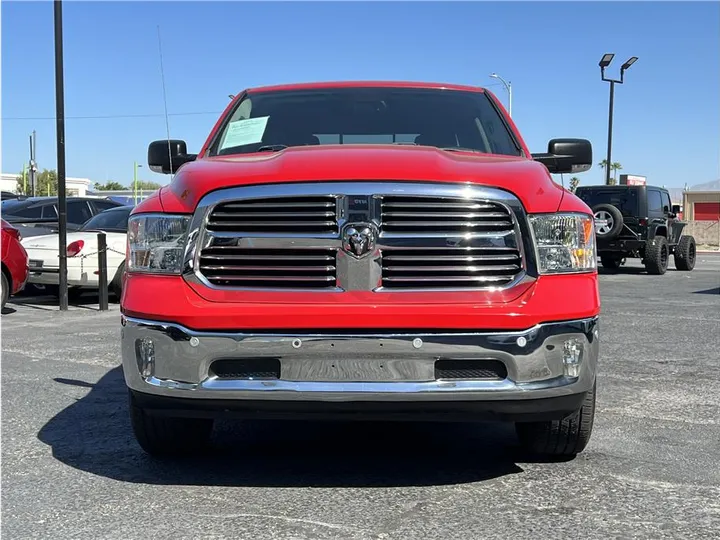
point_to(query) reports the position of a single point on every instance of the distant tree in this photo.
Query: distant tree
(46, 183)
(145, 185)
(109, 186)
(574, 182)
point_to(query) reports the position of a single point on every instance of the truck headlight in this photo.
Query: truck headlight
(564, 243)
(156, 243)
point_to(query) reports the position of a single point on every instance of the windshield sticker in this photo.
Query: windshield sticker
(246, 131)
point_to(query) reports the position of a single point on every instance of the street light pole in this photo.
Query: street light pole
(508, 87)
(60, 121)
(605, 62)
(135, 180)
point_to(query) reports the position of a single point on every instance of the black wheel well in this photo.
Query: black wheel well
(661, 231)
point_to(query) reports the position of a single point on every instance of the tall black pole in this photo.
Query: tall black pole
(60, 114)
(610, 120)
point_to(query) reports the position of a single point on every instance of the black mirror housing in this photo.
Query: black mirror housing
(675, 208)
(567, 156)
(166, 156)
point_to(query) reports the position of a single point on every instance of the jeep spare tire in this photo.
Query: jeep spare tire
(608, 221)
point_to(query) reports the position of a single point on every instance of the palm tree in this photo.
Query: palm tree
(574, 181)
(615, 167)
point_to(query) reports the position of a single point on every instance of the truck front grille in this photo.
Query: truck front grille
(228, 266)
(382, 237)
(299, 214)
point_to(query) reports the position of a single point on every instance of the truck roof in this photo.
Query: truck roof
(364, 84)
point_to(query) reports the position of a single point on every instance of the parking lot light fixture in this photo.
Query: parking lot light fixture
(508, 87)
(605, 62)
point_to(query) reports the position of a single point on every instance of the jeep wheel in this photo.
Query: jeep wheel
(685, 253)
(608, 221)
(657, 256)
(609, 262)
(557, 438)
(169, 436)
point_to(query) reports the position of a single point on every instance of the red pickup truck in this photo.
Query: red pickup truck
(372, 250)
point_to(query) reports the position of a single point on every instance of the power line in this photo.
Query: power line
(109, 116)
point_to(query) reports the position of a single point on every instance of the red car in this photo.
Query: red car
(368, 250)
(14, 262)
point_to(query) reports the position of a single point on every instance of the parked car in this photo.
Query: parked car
(10, 195)
(639, 222)
(36, 216)
(362, 250)
(14, 262)
(82, 254)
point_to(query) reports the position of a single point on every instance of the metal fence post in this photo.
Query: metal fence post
(102, 271)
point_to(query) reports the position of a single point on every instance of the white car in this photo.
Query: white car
(82, 254)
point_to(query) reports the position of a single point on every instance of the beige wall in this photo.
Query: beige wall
(705, 232)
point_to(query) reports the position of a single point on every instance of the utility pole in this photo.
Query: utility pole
(60, 121)
(33, 166)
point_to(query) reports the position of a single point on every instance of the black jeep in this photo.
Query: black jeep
(641, 222)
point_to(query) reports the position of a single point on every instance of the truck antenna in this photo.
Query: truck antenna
(167, 118)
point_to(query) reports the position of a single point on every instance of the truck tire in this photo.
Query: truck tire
(5, 290)
(613, 217)
(169, 436)
(558, 438)
(685, 253)
(612, 263)
(116, 284)
(657, 256)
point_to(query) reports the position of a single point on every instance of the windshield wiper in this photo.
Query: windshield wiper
(272, 148)
(461, 149)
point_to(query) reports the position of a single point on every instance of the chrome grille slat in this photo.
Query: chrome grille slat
(421, 268)
(463, 215)
(314, 214)
(265, 214)
(455, 279)
(451, 269)
(272, 268)
(423, 215)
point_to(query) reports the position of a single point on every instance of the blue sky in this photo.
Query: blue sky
(666, 114)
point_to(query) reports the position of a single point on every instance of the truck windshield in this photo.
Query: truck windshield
(450, 119)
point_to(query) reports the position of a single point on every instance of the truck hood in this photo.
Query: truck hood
(528, 180)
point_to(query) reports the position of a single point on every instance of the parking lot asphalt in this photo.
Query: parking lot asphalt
(71, 468)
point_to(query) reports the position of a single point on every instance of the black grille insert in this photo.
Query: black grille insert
(470, 369)
(246, 368)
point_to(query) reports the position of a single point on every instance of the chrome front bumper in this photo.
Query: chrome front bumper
(168, 360)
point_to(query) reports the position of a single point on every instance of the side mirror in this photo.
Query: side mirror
(675, 208)
(567, 156)
(166, 157)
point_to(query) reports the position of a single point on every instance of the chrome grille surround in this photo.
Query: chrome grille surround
(477, 258)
